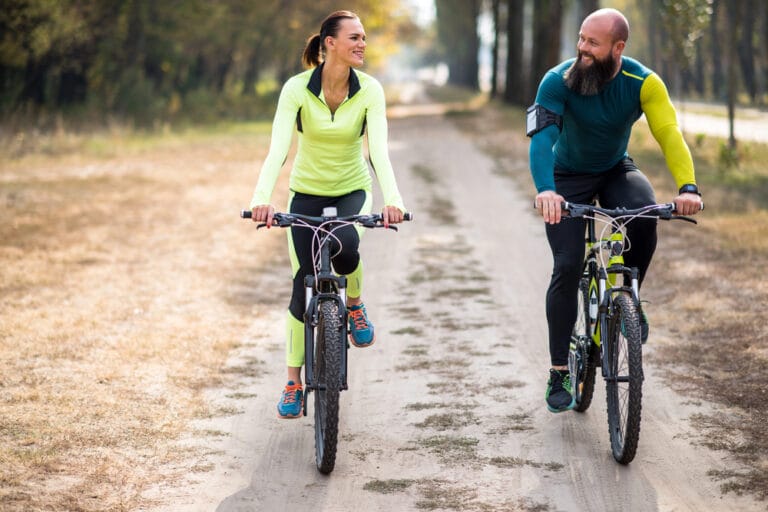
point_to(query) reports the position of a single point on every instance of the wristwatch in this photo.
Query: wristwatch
(689, 188)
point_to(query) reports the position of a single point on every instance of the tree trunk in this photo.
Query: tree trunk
(251, 74)
(495, 8)
(514, 88)
(547, 15)
(745, 48)
(698, 70)
(587, 7)
(762, 53)
(719, 85)
(457, 31)
(731, 42)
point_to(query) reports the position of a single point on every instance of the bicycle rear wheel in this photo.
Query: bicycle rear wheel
(582, 353)
(624, 385)
(328, 347)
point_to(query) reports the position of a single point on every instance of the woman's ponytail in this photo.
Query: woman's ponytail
(311, 57)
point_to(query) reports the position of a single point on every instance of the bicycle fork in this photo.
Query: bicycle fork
(312, 320)
(607, 288)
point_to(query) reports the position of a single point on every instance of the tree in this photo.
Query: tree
(683, 23)
(496, 15)
(746, 48)
(731, 17)
(546, 41)
(515, 90)
(457, 34)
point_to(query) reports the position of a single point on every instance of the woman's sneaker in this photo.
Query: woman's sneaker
(360, 328)
(291, 402)
(559, 392)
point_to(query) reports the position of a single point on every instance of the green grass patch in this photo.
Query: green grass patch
(388, 486)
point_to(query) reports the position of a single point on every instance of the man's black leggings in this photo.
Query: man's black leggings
(623, 185)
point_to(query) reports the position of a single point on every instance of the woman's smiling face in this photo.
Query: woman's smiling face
(349, 44)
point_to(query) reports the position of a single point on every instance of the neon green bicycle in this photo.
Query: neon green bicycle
(607, 332)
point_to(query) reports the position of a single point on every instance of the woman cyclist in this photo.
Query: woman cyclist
(331, 106)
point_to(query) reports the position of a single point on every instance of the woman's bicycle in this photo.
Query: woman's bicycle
(325, 324)
(607, 332)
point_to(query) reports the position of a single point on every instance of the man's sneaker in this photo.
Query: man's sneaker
(360, 328)
(291, 402)
(644, 328)
(559, 394)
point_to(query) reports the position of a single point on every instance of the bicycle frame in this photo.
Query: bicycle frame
(325, 285)
(607, 283)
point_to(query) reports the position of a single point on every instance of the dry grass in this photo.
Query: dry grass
(123, 285)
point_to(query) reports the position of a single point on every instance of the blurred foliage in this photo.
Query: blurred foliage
(685, 22)
(147, 62)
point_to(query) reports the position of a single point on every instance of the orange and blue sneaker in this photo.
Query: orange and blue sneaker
(360, 328)
(291, 402)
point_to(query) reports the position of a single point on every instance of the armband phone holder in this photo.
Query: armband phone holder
(537, 118)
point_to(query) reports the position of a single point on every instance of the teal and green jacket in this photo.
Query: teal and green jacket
(329, 159)
(596, 129)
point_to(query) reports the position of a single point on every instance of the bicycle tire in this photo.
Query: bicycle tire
(584, 350)
(624, 386)
(328, 347)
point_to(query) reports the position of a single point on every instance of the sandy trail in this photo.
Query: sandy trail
(446, 411)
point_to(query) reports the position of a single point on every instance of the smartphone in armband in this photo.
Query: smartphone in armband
(537, 118)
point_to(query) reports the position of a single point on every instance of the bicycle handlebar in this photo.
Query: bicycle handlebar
(284, 220)
(662, 211)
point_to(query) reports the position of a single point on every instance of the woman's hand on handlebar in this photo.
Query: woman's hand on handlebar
(263, 213)
(391, 215)
(687, 204)
(550, 205)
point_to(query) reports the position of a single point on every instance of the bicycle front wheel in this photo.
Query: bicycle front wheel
(328, 347)
(624, 384)
(582, 354)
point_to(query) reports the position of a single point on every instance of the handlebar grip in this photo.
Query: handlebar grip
(246, 214)
(408, 216)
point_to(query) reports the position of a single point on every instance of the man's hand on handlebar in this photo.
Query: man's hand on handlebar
(687, 204)
(550, 205)
(263, 214)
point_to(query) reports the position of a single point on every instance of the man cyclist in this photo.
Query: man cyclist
(579, 126)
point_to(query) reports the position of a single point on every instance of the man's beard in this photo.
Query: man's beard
(590, 80)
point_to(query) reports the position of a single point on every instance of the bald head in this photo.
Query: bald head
(611, 21)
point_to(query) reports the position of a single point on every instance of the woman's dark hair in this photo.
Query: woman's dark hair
(330, 27)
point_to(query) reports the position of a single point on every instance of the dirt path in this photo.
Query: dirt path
(446, 411)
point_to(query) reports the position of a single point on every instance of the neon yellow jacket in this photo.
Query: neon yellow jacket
(329, 159)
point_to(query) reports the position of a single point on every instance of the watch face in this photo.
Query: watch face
(689, 189)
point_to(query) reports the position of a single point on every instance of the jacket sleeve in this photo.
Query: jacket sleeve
(280, 143)
(540, 155)
(662, 120)
(378, 150)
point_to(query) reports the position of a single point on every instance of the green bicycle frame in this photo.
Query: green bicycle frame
(605, 282)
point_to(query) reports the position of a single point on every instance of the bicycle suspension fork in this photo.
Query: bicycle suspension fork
(329, 287)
